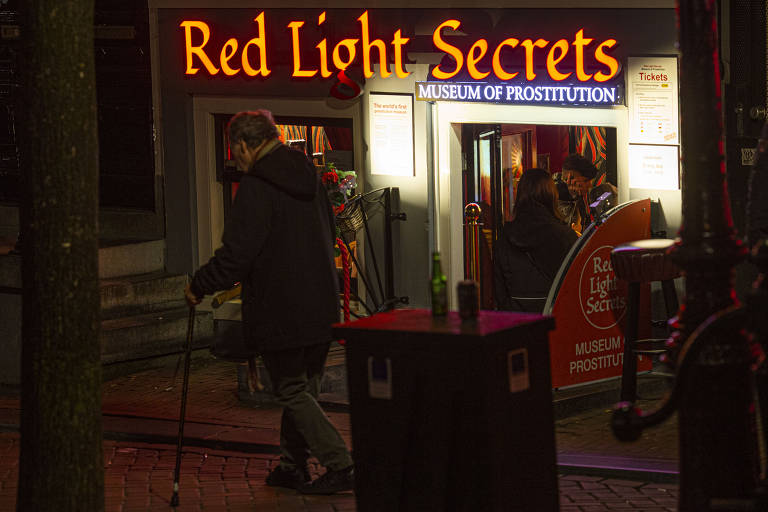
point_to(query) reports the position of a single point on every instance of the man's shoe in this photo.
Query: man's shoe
(290, 478)
(331, 482)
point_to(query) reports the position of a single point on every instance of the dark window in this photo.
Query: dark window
(124, 101)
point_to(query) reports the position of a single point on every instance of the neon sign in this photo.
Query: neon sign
(556, 54)
(250, 58)
(519, 93)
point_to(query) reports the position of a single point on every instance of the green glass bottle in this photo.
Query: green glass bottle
(439, 288)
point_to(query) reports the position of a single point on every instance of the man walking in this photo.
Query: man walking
(278, 244)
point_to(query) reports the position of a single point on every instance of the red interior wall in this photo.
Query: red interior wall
(553, 140)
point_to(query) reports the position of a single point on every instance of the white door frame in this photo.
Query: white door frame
(450, 115)
(208, 192)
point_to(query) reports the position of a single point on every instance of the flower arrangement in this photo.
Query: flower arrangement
(340, 186)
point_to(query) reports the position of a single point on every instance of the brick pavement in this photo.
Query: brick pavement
(213, 399)
(138, 476)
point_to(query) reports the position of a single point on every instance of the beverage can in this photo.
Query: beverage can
(469, 299)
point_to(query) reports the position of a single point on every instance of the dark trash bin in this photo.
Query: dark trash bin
(451, 416)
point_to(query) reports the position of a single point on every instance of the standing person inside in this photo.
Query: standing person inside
(278, 244)
(532, 247)
(586, 184)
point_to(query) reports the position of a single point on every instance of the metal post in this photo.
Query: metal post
(629, 366)
(389, 265)
(472, 266)
(714, 411)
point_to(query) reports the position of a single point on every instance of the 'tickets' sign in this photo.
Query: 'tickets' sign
(591, 305)
(579, 58)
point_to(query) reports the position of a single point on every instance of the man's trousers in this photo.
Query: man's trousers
(305, 429)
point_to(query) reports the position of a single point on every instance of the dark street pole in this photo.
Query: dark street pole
(717, 452)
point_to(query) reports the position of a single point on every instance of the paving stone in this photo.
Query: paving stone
(581, 478)
(139, 476)
(623, 483)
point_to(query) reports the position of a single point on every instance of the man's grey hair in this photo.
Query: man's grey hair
(253, 127)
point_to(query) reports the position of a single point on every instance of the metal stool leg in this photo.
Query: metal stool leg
(670, 297)
(629, 369)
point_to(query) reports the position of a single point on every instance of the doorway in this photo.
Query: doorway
(495, 156)
(209, 161)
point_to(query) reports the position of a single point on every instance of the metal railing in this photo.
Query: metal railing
(362, 212)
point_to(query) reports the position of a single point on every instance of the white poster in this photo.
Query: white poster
(655, 167)
(652, 95)
(390, 118)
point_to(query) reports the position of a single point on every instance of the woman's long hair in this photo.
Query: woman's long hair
(536, 186)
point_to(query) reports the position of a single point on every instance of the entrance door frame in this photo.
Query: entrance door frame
(208, 192)
(449, 217)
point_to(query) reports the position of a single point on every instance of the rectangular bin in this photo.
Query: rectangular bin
(449, 415)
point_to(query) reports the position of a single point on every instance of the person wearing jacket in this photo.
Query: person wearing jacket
(586, 184)
(531, 248)
(278, 243)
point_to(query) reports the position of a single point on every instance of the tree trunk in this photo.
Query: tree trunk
(61, 467)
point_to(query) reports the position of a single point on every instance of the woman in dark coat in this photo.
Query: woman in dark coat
(532, 246)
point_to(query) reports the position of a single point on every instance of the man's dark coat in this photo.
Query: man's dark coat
(278, 244)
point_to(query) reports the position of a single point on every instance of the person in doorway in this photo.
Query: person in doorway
(586, 185)
(568, 207)
(532, 247)
(278, 242)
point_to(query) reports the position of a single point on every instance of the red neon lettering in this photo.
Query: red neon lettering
(472, 59)
(197, 50)
(397, 44)
(557, 52)
(297, 71)
(552, 61)
(349, 44)
(227, 51)
(602, 58)
(261, 42)
(529, 46)
(366, 50)
(579, 43)
(322, 47)
(345, 52)
(447, 48)
(497, 69)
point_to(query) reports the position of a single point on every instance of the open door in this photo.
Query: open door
(494, 159)
(481, 146)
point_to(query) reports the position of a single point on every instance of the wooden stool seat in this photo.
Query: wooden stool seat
(644, 261)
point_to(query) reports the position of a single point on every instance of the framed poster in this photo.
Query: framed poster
(390, 123)
(652, 95)
(656, 167)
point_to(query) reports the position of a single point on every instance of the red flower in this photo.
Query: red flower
(338, 209)
(330, 177)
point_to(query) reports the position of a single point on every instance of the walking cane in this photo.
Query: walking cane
(185, 387)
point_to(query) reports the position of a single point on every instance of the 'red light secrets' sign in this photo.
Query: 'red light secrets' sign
(511, 58)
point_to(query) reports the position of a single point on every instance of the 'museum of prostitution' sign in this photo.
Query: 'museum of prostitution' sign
(575, 68)
(570, 94)
(591, 302)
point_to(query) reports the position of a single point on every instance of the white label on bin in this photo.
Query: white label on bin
(517, 367)
(380, 377)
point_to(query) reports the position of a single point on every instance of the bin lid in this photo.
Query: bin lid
(421, 321)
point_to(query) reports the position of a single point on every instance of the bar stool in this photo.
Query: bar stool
(643, 261)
